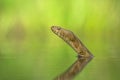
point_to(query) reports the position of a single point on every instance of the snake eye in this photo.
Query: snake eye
(59, 28)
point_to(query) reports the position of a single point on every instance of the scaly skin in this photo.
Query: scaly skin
(72, 40)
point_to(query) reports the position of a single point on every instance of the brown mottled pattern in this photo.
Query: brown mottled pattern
(84, 56)
(72, 40)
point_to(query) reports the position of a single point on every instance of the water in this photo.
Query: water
(45, 57)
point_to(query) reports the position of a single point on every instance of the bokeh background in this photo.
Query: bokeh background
(30, 51)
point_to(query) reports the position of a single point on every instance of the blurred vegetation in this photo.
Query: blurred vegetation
(30, 51)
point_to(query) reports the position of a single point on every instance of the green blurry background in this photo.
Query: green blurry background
(30, 51)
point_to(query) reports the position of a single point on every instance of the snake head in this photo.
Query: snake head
(56, 29)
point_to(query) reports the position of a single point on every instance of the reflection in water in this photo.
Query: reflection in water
(74, 69)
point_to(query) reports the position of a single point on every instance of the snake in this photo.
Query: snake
(72, 40)
(84, 55)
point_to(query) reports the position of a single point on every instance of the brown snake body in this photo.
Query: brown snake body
(84, 55)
